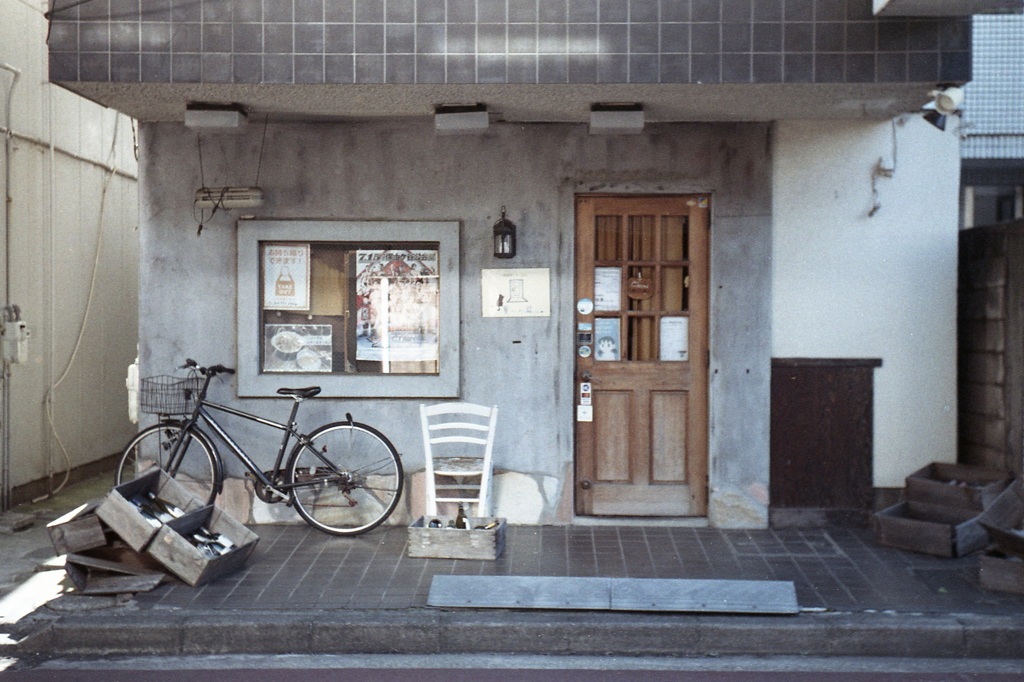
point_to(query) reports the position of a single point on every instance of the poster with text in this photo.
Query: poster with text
(398, 305)
(286, 277)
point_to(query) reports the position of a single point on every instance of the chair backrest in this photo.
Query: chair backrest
(462, 431)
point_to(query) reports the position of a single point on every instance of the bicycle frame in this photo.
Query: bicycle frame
(290, 431)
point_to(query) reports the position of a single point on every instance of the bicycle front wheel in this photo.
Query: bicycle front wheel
(195, 464)
(347, 479)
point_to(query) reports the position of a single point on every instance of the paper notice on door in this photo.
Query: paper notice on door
(675, 332)
(607, 288)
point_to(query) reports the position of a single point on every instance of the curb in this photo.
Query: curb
(455, 632)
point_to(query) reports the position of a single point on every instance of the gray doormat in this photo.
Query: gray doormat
(614, 594)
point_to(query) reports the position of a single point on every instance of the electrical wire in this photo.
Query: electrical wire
(48, 400)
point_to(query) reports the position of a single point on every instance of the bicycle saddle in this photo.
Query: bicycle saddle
(300, 393)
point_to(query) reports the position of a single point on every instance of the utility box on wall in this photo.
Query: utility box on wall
(821, 440)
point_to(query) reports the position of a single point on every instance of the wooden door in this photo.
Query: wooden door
(641, 355)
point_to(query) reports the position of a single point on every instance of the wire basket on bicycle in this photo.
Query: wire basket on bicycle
(165, 394)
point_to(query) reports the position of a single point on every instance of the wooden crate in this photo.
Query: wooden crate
(956, 485)
(449, 543)
(173, 548)
(125, 519)
(930, 529)
(1001, 573)
(78, 530)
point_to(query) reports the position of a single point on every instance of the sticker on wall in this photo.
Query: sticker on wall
(584, 306)
(516, 292)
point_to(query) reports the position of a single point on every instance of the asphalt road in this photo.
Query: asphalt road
(380, 668)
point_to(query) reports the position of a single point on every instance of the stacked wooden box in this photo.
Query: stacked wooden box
(943, 509)
(112, 547)
(444, 542)
(1002, 566)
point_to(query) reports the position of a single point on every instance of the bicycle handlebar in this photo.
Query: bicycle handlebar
(207, 371)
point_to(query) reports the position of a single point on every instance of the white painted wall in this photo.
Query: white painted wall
(73, 255)
(846, 285)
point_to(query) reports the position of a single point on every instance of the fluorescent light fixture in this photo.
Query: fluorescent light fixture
(214, 116)
(229, 197)
(460, 119)
(617, 119)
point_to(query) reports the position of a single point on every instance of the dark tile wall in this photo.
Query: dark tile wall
(501, 41)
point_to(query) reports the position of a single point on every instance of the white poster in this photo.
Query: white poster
(607, 289)
(675, 338)
(286, 276)
(516, 292)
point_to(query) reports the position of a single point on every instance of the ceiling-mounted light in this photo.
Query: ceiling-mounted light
(947, 101)
(612, 118)
(458, 119)
(214, 116)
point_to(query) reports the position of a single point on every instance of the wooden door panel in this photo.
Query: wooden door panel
(612, 434)
(669, 416)
(643, 261)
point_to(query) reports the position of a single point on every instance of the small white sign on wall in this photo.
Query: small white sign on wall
(516, 292)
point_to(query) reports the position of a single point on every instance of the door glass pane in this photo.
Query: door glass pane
(675, 237)
(606, 238)
(641, 237)
(674, 289)
(641, 338)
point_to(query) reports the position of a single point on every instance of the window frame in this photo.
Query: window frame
(374, 234)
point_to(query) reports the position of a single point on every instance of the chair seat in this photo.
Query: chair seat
(458, 466)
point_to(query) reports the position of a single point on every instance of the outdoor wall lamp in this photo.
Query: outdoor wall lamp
(504, 237)
(948, 99)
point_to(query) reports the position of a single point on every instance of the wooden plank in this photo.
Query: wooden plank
(78, 530)
(85, 561)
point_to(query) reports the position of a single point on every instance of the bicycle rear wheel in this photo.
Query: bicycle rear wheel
(197, 465)
(348, 479)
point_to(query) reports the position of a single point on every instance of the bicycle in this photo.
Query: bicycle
(343, 478)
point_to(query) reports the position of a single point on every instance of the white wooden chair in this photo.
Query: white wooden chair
(457, 440)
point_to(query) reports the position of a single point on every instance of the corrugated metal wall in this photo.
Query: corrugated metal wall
(69, 262)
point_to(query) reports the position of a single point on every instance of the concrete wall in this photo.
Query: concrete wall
(400, 170)
(847, 284)
(71, 263)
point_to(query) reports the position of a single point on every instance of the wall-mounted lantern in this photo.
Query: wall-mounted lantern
(504, 237)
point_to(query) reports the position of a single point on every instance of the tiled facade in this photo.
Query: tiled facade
(501, 41)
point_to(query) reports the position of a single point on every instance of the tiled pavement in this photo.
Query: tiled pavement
(834, 569)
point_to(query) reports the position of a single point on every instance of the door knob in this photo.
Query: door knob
(585, 376)
(586, 484)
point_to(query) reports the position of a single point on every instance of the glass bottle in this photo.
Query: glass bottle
(461, 522)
